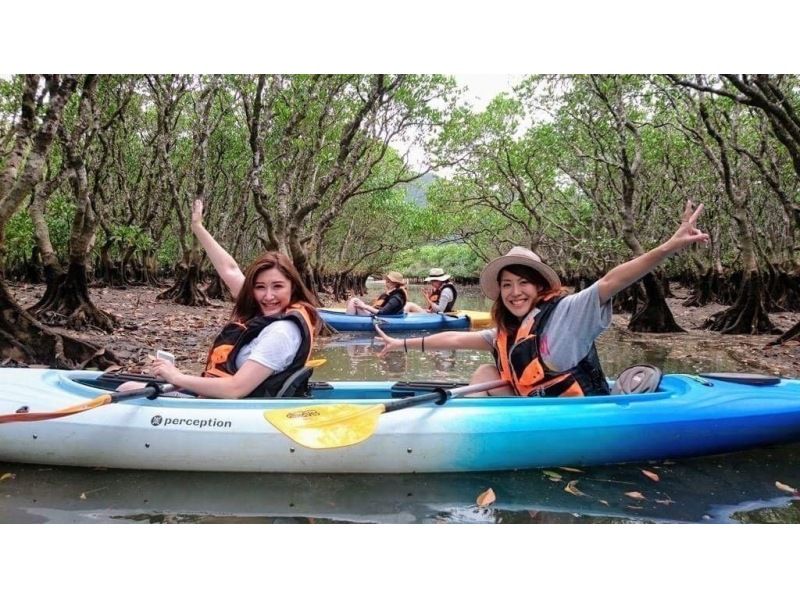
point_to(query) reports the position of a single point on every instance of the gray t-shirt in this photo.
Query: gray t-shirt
(577, 321)
(445, 298)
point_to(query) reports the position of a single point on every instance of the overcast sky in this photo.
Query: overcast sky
(484, 87)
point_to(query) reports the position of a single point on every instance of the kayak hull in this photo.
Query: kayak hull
(684, 419)
(343, 322)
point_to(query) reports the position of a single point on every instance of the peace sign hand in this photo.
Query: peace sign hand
(687, 232)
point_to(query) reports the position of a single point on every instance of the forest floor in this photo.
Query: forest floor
(148, 325)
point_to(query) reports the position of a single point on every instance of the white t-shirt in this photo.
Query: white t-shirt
(577, 321)
(275, 347)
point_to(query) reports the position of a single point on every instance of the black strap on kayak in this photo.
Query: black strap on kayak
(407, 389)
(637, 379)
(743, 378)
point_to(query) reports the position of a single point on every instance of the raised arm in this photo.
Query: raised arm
(626, 274)
(224, 264)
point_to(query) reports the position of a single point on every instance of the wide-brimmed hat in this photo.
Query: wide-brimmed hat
(395, 277)
(519, 256)
(437, 274)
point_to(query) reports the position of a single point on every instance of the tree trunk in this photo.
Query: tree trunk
(628, 300)
(24, 340)
(32, 270)
(217, 290)
(185, 291)
(109, 270)
(790, 334)
(706, 290)
(655, 315)
(67, 303)
(747, 315)
(150, 269)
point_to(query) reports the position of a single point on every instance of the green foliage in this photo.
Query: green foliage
(59, 215)
(456, 259)
(19, 239)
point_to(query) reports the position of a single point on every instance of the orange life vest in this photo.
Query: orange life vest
(522, 367)
(221, 361)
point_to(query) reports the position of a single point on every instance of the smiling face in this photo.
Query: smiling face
(519, 294)
(272, 291)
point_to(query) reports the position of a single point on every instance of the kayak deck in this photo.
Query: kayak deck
(684, 418)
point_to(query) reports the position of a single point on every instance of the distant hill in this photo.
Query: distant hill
(417, 191)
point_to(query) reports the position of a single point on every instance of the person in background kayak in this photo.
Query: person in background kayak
(389, 303)
(440, 298)
(270, 333)
(543, 340)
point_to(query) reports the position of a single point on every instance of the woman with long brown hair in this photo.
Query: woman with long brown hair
(543, 339)
(271, 330)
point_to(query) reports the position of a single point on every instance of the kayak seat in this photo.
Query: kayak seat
(637, 379)
(296, 385)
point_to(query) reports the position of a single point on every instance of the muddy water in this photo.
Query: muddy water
(721, 489)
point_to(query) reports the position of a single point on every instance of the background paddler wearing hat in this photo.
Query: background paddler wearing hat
(392, 280)
(437, 277)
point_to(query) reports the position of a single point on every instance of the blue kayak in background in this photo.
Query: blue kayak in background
(343, 322)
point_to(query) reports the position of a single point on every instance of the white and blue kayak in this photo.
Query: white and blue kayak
(343, 322)
(687, 416)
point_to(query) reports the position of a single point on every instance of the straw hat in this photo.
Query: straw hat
(395, 277)
(519, 256)
(437, 274)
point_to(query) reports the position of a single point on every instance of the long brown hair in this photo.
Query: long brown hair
(246, 306)
(503, 319)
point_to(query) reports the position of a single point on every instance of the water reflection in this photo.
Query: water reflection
(726, 489)
(354, 356)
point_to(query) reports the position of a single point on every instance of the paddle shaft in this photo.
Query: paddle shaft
(442, 395)
(22, 415)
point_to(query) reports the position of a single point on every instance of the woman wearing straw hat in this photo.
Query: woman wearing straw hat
(440, 298)
(388, 303)
(543, 340)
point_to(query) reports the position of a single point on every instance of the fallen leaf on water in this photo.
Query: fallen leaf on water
(785, 488)
(7, 476)
(486, 498)
(651, 475)
(572, 469)
(555, 477)
(636, 495)
(572, 489)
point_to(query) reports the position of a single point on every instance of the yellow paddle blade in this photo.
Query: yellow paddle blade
(315, 363)
(326, 426)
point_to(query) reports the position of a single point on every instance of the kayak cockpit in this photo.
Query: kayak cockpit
(89, 384)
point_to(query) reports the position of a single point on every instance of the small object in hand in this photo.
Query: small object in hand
(166, 356)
